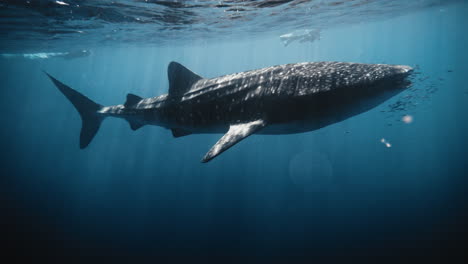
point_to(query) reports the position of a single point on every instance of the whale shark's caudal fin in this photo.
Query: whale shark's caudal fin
(87, 109)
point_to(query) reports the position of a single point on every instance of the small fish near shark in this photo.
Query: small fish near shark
(283, 99)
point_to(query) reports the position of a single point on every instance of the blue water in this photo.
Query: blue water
(333, 193)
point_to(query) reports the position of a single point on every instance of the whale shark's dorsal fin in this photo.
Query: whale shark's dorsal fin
(235, 134)
(132, 100)
(180, 78)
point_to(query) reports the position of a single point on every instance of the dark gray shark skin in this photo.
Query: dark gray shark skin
(284, 99)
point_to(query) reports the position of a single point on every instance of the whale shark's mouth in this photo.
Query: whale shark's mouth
(405, 69)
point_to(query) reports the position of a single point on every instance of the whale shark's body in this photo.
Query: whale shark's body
(283, 99)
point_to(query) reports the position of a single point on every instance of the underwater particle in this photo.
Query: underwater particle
(408, 119)
(61, 3)
(386, 143)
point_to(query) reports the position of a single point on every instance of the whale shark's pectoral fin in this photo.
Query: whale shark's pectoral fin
(235, 134)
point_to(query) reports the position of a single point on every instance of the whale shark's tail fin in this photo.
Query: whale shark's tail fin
(91, 120)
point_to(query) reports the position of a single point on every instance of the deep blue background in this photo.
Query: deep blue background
(335, 192)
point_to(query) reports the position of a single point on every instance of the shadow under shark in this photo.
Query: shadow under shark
(282, 99)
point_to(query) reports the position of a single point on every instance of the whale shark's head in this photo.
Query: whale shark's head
(402, 71)
(390, 73)
(396, 78)
(380, 79)
(375, 84)
(390, 80)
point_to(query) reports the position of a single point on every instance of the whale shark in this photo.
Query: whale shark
(283, 99)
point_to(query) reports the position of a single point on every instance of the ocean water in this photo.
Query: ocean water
(371, 186)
